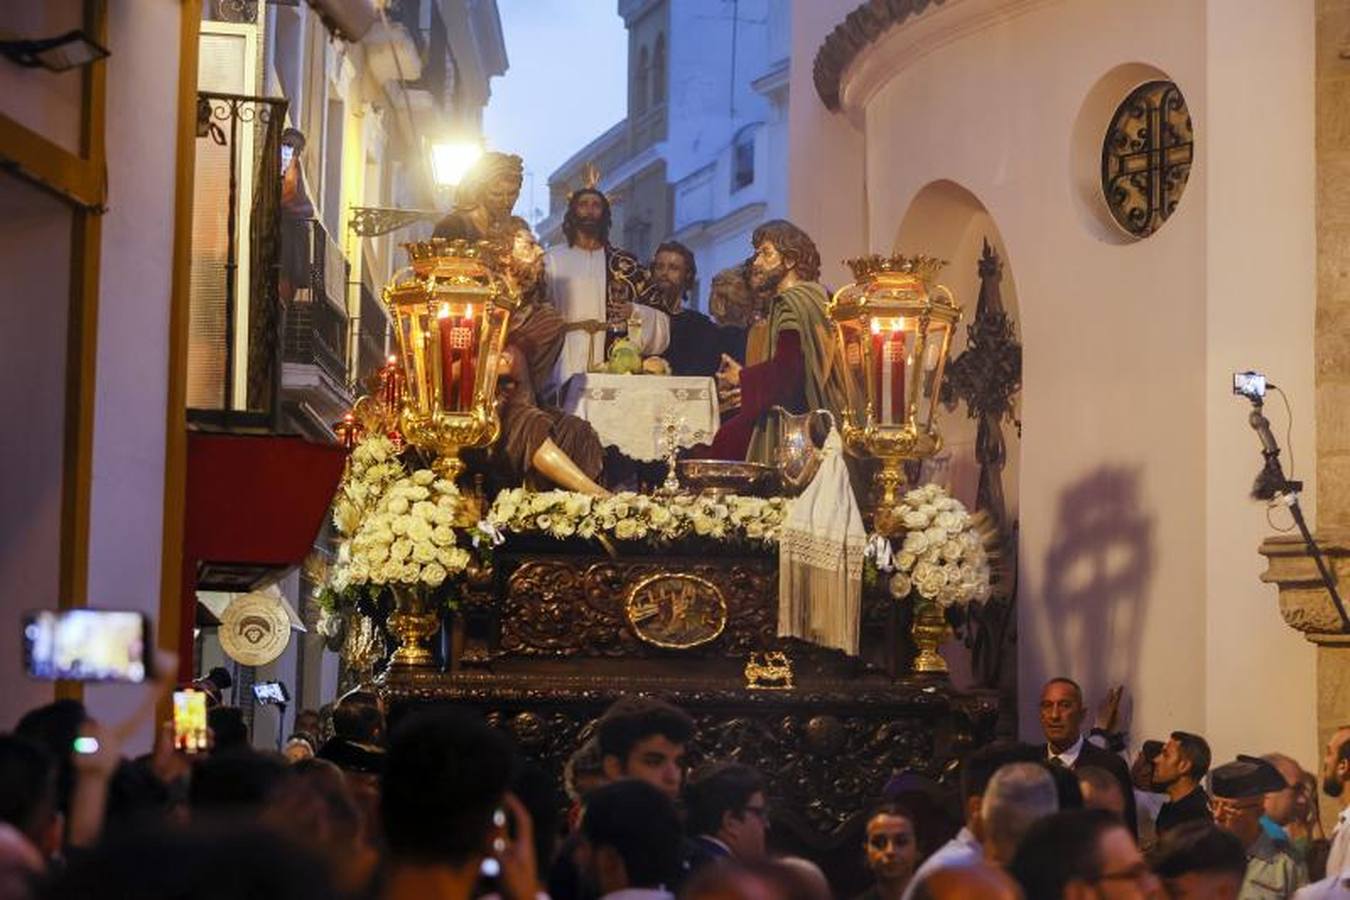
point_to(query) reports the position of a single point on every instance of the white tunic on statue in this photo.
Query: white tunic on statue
(576, 286)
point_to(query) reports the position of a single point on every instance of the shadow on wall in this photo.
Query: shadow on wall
(1097, 573)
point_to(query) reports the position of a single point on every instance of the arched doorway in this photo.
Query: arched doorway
(980, 422)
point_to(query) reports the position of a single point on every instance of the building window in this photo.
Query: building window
(640, 88)
(659, 71)
(743, 171)
(1146, 157)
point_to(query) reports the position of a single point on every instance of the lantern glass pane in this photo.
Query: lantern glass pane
(929, 371)
(853, 340)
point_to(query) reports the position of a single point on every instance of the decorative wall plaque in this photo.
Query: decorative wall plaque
(676, 611)
(1146, 157)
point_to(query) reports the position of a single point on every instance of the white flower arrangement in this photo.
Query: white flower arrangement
(636, 517)
(397, 527)
(942, 556)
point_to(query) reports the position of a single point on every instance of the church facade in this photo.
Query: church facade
(933, 127)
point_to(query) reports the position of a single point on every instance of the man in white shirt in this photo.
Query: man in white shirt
(1335, 776)
(594, 283)
(966, 849)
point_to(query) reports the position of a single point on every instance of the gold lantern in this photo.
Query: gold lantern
(450, 322)
(894, 326)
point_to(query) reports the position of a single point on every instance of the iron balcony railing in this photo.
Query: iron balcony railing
(316, 318)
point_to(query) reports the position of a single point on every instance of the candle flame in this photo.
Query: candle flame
(468, 311)
(876, 326)
(444, 312)
(392, 359)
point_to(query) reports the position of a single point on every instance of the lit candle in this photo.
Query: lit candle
(467, 339)
(445, 324)
(889, 347)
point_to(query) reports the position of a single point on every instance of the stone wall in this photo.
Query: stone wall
(1333, 264)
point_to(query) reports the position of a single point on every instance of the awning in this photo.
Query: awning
(254, 507)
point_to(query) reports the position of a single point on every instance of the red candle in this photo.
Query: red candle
(445, 324)
(466, 337)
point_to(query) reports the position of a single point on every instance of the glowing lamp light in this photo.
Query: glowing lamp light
(451, 161)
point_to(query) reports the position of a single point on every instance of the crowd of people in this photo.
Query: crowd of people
(441, 806)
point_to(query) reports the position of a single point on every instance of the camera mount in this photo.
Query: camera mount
(1271, 483)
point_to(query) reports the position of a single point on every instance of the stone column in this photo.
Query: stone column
(1304, 602)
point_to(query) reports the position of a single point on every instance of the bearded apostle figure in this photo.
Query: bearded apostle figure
(597, 288)
(801, 373)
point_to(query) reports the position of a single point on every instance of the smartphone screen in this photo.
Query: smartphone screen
(86, 645)
(189, 721)
(271, 692)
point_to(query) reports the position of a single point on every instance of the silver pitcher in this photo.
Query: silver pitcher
(800, 439)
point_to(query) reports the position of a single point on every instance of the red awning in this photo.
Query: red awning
(254, 506)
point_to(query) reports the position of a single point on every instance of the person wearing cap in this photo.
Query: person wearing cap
(1177, 771)
(1239, 790)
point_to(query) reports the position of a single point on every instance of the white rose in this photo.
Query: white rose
(625, 530)
(928, 509)
(952, 550)
(915, 542)
(936, 536)
(577, 505)
(391, 571)
(424, 510)
(915, 497)
(946, 520)
(423, 477)
(377, 553)
(433, 574)
(423, 552)
(905, 560)
(411, 573)
(661, 516)
(399, 550)
(418, 530)
(951, 573)
(443, 535)
(458, 559)
(398, 505)
(949, 595)
(703, 525)
(926, 571)
(900, 585)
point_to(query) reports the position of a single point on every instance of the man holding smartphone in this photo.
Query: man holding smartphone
(444, 804)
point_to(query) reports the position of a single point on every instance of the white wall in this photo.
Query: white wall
(126, 511)
(1261, 298)
(1138, 546)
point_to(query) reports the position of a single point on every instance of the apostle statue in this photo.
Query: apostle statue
(538, 444)
(484, 199)
(696, 342)
(801, 372)
(598, 288)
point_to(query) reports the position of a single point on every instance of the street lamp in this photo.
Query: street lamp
(894, 327)
(451, 161)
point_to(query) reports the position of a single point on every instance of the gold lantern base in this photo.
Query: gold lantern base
(929, 630)
(414, 622)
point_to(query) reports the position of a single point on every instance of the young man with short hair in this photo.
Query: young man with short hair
(630, 842)
(639, 737)
(1198, 860)
(1079, 854)
(892, 851)
(1177, 771)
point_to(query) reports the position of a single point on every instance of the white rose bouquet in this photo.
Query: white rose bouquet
(941, 557)
(396, 527)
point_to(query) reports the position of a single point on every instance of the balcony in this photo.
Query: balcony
(314, 378)
(372, 330)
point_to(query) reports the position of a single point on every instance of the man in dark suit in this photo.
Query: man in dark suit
(1062, 713)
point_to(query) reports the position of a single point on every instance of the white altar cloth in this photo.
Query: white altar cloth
(628, 411)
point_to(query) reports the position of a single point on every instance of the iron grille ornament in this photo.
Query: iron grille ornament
(1146, 158)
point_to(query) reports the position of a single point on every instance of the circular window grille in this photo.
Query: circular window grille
(1146, 157)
